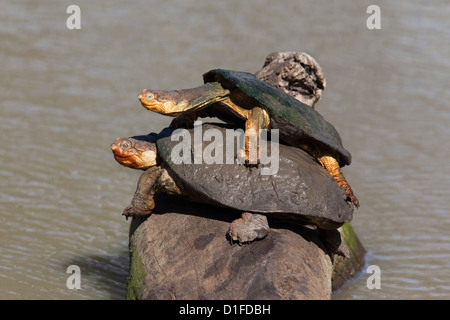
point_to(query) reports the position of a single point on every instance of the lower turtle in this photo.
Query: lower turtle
(300, 191)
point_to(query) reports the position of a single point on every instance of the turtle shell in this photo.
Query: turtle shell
(301, 189)
(299, 124)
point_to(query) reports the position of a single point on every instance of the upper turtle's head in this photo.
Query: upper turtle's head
(135, 153)
(158, 101)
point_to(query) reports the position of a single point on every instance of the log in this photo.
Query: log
(182, 252)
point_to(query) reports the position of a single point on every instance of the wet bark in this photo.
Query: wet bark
(183, 252)
(296, 73)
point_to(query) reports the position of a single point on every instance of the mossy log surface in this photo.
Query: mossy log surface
(346, 269)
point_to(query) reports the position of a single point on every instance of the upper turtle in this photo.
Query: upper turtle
(299, 124)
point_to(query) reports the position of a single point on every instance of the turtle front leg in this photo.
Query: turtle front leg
(257, 120)
(249, 227)
(334, 169)
(143, 203)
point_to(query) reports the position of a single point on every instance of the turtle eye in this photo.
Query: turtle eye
(150, 96)
(125, 145)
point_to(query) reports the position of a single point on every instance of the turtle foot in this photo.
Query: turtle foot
(351, 198)
(133, 211)
(249, 227)
(249, 158)
(128, 212)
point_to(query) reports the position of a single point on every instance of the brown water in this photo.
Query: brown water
(67, 94)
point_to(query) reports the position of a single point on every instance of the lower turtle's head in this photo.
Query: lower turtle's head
(134, 153)
(157, 101)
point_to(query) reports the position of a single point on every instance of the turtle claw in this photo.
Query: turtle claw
(248, 163)
(249, 227)
(350, 197)
(354, 200)
(249, 158)
(128, 212)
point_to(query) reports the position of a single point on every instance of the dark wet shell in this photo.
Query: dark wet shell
(300, 190)
(299, 124)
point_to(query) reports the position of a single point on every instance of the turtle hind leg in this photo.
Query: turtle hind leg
(249, 227)
(333, 168)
